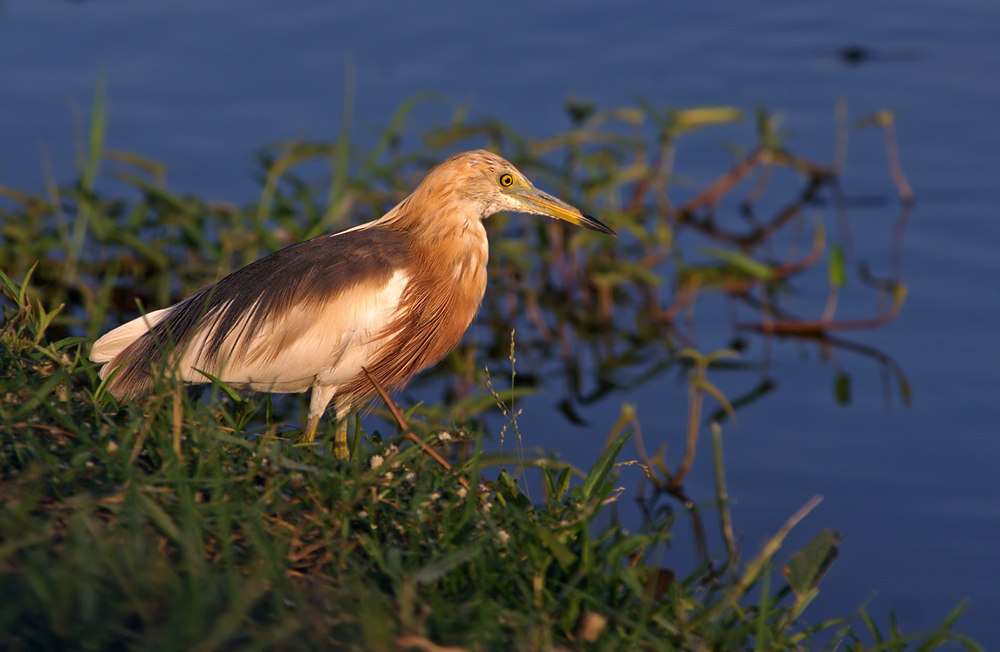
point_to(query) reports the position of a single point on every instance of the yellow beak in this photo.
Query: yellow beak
(541, 203)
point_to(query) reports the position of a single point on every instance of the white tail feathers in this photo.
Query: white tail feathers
(113, 343)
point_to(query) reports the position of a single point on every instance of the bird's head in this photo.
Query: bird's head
(478, 184)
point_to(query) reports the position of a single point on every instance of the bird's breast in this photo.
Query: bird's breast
(445, 285)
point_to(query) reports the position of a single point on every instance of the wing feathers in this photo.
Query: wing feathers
(312, 315)
(250, 319)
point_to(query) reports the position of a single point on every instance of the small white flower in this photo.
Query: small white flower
(462, 492)
(444, 436)
(362, 513)
(410, 477)
(376, 461)
(435, 496)
(112, 447)
(503, 536)
(388, 475)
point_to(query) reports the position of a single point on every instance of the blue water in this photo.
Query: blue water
(914, 489)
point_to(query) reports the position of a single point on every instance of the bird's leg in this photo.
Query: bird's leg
(340, 448)
(311, 425)
(318, 401)
(343, 410)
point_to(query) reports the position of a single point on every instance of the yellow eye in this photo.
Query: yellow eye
(506, 180)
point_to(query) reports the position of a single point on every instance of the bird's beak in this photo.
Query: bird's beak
(541, 203)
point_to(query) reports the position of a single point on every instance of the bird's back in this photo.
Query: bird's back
(256, 313)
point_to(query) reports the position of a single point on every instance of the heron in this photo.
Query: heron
(390, 297)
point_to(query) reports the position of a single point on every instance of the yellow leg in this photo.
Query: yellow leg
(318, 400)
(310, 434)
(340, 449)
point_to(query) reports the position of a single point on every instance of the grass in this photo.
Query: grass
(197, 524)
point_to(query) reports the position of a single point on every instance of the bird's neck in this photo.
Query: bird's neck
(448, 228)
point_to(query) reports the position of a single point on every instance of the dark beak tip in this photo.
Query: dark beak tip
(597, 225)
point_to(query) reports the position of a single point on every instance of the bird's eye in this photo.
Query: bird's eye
(506, 180)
